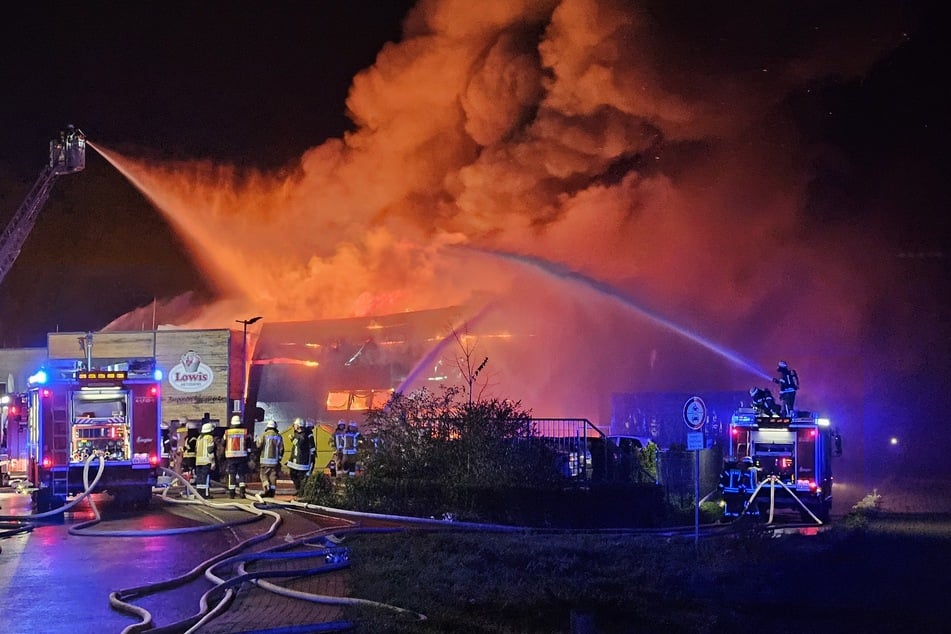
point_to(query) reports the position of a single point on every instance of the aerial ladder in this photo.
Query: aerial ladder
(67, 155)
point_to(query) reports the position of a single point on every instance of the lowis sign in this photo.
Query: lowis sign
(191, 375)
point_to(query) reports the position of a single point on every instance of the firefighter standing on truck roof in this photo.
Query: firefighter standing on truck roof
(271, 448)
(788, 382)
(205, 460)
(301, 459)
(236, 457)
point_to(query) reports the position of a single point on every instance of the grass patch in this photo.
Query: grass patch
(616, 583)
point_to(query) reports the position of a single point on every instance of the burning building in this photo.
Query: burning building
(624, 200)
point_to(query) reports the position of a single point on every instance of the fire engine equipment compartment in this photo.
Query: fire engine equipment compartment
(101, 427)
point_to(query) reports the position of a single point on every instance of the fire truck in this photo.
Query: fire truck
(78, 418)
(779, 462)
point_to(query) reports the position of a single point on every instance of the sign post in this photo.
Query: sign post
(695, 414)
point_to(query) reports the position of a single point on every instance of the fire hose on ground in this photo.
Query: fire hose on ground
(24, 523)
(216, 600)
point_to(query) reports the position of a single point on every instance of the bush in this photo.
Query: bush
(440, 437)
(436, 455)
(865, 509)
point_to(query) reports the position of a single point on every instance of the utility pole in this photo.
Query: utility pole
(244, 364)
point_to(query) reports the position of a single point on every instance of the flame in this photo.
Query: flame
(606, 139)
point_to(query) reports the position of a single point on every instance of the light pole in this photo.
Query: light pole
(244, 364)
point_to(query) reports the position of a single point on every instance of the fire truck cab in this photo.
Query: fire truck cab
(110, 414)
(785, 461)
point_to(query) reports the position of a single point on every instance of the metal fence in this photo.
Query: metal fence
(571, 440)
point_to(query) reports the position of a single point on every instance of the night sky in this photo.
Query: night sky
(771, 174)
(248, 83)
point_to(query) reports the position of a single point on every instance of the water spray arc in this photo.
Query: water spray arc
(558, 271)
(216, 266)
(430, 356)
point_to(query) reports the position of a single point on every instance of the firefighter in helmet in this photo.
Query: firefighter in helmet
(301, 460)
(749, 474)
(788, 381)
(351, 442)
(166, 444)
(271, 449)
(205, 460)
(763, 401)
(189, 448)
(236, 457)
(339, 441)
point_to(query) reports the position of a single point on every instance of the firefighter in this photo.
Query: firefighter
(763, 401)
(788, 382)
(351, 442)
(174, 450)
(188, 450)
(271, 449)
(301, 460)
(749, 469)
(205, 459)
(738, 480)
(236, 457)
(339, 440)
(217, 468)
(166, 445)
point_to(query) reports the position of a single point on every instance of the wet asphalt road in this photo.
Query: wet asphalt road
(57, 577)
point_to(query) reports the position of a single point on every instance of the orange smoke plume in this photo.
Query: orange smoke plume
(620, 140)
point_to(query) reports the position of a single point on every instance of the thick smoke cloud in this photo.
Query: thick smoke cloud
(652, 146)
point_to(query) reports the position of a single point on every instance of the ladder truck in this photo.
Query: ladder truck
(67, 155)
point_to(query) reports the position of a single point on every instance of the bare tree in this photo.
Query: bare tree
(466, 363)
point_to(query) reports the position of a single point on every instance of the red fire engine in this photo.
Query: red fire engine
(779, 461)
(111, 414)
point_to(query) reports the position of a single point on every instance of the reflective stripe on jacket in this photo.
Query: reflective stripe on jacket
(205, 450)
(302, 452)
(272, 448)
(236, 439)
(189, 451)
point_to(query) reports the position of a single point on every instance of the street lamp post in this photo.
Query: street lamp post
(244, 364)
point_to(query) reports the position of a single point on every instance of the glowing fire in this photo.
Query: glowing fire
(572, 132)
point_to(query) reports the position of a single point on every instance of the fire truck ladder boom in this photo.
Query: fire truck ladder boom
(67, 155)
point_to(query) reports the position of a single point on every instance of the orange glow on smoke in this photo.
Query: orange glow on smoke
(569, 131)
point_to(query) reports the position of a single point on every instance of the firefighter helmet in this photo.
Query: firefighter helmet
(191, 425)
(163, 425)
(782, 366)
(353, 425)
(341, 424)
(207, 428)
(270, 425)
(235, 420)
(299, 423)
(747, 460)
